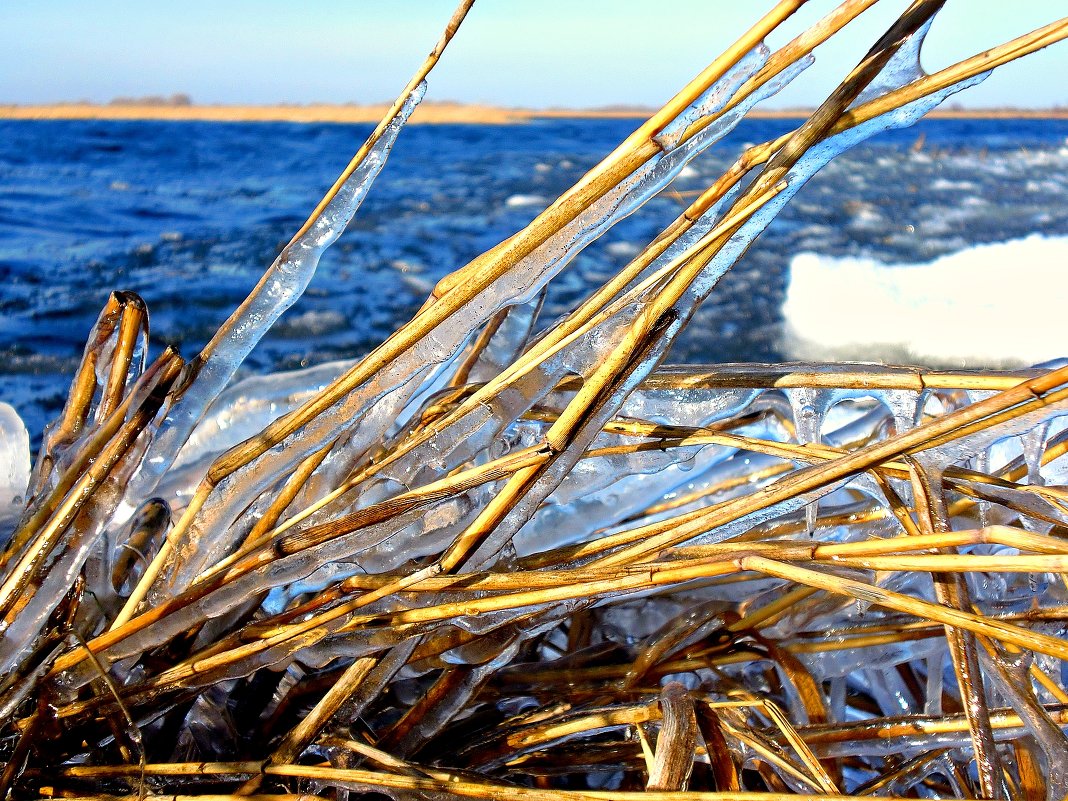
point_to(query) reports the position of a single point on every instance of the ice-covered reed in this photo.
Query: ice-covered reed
(486, 562)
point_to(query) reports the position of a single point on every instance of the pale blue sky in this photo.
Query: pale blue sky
(512, 52)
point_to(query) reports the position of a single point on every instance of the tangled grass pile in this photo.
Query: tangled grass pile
(494, 560)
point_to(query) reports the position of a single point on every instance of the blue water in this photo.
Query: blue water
(189, 214)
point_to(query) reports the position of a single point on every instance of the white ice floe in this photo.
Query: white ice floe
(986, 306)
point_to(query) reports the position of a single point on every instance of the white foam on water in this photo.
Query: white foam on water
(622, 248)
(525, 200)
(999, 305)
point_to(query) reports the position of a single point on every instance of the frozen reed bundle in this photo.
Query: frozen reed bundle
(495, 561)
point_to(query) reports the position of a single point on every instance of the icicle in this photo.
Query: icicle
(904, 406)
(1048, 506)
(957, 450)
(291, 678)
(279, 289)
(1034, 445)
(936, 664)
(207, 726)
(890, 692)
(902, 68)
(836, 697)
(981, 459)
(756, 518)
(809, 407)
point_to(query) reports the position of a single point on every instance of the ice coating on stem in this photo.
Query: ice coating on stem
(507, 341)
(814, 160)
(599, 492)
(623, 200)
(290, 570)
(480, 429)
(820, 155)
(487, 430)
(234, 493)
(739, 473)
(901, 68)
(726, 531)
(390, 389)
(708, 219)
(715, 97)
(1010, 671)
(245, 408)
(693, 407)
(242, 411)
(81, 537)
(82, 415)
(281, 286)
(561, 464)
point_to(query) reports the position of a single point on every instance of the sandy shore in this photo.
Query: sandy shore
(427, 113)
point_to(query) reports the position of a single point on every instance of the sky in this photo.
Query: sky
(529, 53)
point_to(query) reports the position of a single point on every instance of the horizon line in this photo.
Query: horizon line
(181, 107)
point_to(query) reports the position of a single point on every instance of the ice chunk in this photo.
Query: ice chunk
(14, 468)
(955, 311)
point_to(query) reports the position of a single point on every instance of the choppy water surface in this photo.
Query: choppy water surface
(189, 214)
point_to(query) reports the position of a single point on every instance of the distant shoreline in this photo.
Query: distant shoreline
(428, 113)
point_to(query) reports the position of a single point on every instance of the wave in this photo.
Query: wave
(996, 305)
